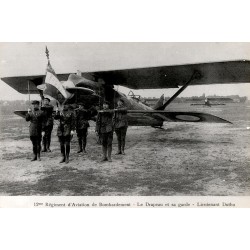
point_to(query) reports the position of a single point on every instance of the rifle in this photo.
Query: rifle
(115, 117)
(99, 122)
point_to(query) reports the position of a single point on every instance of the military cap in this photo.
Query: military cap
(35, 102)
(46, 98)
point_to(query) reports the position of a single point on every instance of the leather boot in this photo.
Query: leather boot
(123, 153)
(123, 146)
(119, 148)
(48, 145)
(67, 153)
(34, 158)
(34, 154)
(80, 145)
(104, 151)
(38, 152)
(63, 154)
(38, 156)
(109, 153)
(84, 144)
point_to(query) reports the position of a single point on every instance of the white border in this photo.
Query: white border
(124, 21)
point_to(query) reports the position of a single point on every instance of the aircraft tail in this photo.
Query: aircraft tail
(159, 103)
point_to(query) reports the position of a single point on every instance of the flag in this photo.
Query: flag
(51, 79)
(53, 87)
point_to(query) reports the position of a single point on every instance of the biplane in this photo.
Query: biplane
(209, 102)
(92, 88)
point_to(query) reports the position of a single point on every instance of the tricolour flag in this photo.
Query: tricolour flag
(51, 78)
(53, 87)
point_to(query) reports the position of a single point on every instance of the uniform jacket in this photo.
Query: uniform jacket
(104, 122)
(120, 118)
(48, 111)
(82, 117)
(67, 122)
(36, 118)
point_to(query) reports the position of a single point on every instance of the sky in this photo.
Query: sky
(19, 59)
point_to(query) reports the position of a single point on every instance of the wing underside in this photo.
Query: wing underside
(28, 84)
(180, 116)
(152, 77)
(178, 75)
(21, 113)
(164, 116)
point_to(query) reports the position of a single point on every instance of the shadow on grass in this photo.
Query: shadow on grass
(92, 182)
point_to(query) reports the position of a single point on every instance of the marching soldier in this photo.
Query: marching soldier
(104, 127)
(120, 125)
(36, 118)
(48, 126)
(65, 130)
(82, 124)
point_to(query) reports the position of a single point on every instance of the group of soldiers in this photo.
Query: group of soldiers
(41, 120)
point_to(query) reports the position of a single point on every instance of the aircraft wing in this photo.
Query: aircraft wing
(167, 116)
(180, 116)
(153, 77)
(21, 113)
(174, 76)
(28, 84)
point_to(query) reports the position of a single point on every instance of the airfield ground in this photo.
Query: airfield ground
(182, 159)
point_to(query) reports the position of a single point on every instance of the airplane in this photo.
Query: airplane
(208, 103)
(92, 88)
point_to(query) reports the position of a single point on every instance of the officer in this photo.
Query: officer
(36, 118)
(65, 130)
(120, 124)
(104, 127)
(48, 126)
(82, 124)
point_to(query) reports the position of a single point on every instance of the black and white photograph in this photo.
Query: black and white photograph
(125, 119)
(127, 114)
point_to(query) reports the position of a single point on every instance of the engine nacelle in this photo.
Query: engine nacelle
(80, 81)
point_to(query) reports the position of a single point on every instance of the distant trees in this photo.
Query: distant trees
(230, 98)
(243, 99)
(8, 107)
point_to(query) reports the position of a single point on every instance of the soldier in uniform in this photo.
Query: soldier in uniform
(82, 124)
(120, 125)
(104, 127)
(48, 124)
(65, 130)
(207, 103)
(36, 118)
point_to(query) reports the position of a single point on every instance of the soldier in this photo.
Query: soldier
(104, 127)
(207, 103)
(48, 126)
(120, 124)
(82, 124)
(65, 130)
(36, 118)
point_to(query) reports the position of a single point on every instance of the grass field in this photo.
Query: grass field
(182, 159)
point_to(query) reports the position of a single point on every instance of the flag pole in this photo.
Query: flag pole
(47, 53)
(29, 90)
